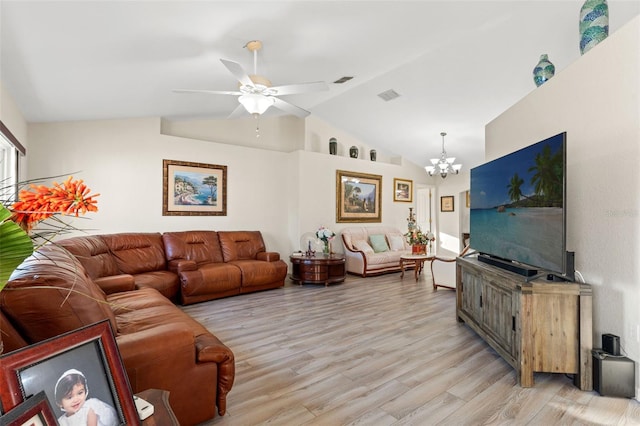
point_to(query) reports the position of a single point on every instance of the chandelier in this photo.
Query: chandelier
(443, 165)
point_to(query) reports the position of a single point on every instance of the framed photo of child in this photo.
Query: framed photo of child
(80, 373)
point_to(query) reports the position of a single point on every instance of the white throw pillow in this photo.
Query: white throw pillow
(396, 242)
(362, 246)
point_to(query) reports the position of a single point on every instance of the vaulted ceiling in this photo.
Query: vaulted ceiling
(456, 65)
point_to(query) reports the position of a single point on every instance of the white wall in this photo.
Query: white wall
(281, 194)
(596, 101)
(448, 223)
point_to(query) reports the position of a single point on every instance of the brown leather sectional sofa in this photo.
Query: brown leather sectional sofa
(131, 280)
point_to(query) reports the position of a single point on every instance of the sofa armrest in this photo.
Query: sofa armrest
(116, 283)
(268, 256)
(211, 349)
(181, 265)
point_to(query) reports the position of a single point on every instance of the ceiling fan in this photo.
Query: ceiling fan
(256, 94)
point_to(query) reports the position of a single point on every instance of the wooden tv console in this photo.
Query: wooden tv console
(537, 326)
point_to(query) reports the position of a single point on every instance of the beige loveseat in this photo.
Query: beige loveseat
(367, 255)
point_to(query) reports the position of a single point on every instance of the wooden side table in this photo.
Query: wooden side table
(417, 259)
(318, 269)
(162, 412)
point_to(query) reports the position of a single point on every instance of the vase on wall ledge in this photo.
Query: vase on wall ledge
(543, 70)
(333, 146)
(353, 152)
(594, 23)
(373, 154)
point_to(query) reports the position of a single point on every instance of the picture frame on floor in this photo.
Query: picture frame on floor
(193, 189)
(358, 197)
(85, 361)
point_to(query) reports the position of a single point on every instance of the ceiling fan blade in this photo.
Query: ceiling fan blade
(208, 92)
(238, 72)
(291, 89)
(238, 112)
(290, 108)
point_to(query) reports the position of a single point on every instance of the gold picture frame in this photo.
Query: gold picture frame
(446, 203)
(402, 190)
(193, 189)
(358, 197)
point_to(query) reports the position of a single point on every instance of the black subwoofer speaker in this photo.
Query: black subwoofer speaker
(613, 375)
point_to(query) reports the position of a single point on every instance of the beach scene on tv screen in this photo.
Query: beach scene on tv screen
(517, 205)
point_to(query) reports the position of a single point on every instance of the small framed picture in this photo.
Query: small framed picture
(402, 190)
(83, 365)
(468, 194)
(35, 411)
(446, 203)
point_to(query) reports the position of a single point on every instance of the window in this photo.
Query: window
(10, 149)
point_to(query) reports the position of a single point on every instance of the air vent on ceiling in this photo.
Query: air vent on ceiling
(342, 80)
(388, 95)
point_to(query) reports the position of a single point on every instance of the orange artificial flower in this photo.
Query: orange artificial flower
(42, 202)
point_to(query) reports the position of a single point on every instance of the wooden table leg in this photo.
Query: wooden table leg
(417, 268)
(402, 268)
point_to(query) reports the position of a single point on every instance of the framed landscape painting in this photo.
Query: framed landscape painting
(358, 197)
(193, 189)
(402, 190)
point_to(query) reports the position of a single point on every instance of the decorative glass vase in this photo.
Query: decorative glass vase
(594, 23)
(326, 249)
(543, 71)
(353, 152)
(333, 146)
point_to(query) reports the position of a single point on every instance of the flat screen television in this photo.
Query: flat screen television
(518, 210)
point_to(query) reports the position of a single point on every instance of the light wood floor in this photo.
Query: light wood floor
(380, 351)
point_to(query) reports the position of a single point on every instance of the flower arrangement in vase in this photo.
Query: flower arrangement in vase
(19, 230)
(325, 235)
(419, 240)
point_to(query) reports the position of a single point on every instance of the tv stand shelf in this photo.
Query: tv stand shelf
(536, 326)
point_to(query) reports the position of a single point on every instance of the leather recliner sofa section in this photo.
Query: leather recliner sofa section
(161, 347)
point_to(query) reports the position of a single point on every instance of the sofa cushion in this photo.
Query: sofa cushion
(45, 301)
(396, 242)
(379, 243)
(199, 246)
(240, 245)
(363, 246)
(136, 253)
(211, 278)
(256, 273)
(93, 253)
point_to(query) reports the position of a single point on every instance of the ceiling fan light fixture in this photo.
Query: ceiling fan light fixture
(256, 104)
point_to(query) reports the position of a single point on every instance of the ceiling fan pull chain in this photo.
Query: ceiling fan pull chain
(257, 116)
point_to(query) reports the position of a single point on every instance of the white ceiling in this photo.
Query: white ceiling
(456, 64)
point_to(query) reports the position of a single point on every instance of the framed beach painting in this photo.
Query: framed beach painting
(84, 362)
(193, 189)
(402, 190)
(358, 197)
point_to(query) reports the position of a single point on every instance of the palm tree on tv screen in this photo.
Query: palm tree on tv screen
(547, 177)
